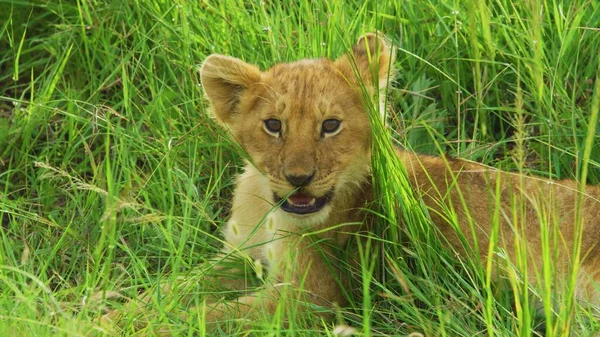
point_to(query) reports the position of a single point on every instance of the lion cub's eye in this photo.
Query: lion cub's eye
(330, 125)
(273, 125)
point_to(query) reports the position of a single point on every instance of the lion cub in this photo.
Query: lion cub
(307, 134)
(302, 196)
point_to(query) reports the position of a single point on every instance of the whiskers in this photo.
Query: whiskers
(279, 184)
(323, 184)
(340, 179)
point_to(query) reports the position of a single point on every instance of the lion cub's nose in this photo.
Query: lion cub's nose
(300, 180)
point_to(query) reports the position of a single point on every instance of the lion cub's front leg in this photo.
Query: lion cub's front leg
(301, 274)
(225, 274)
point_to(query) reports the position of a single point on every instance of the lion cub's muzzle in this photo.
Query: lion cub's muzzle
(302, 202)
(302, 199)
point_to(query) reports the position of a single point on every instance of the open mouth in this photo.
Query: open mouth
(302, 203)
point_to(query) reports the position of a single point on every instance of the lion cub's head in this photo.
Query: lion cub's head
(303, 124)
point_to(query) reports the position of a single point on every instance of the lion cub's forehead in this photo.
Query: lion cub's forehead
(308, 87)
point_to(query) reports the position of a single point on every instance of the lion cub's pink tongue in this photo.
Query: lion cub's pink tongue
(301, 200)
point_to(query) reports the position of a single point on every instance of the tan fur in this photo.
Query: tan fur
(302, 95)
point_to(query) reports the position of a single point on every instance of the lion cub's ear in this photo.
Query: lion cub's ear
(372, 58)
(225, 79)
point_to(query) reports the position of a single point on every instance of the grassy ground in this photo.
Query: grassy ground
(112, 178)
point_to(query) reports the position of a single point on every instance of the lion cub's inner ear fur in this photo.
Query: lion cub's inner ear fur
(225, 79)
(371, 56)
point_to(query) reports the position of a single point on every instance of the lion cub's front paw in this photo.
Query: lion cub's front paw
(109, 322)
(114, 324)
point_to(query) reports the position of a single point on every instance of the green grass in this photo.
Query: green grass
(112, 176)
